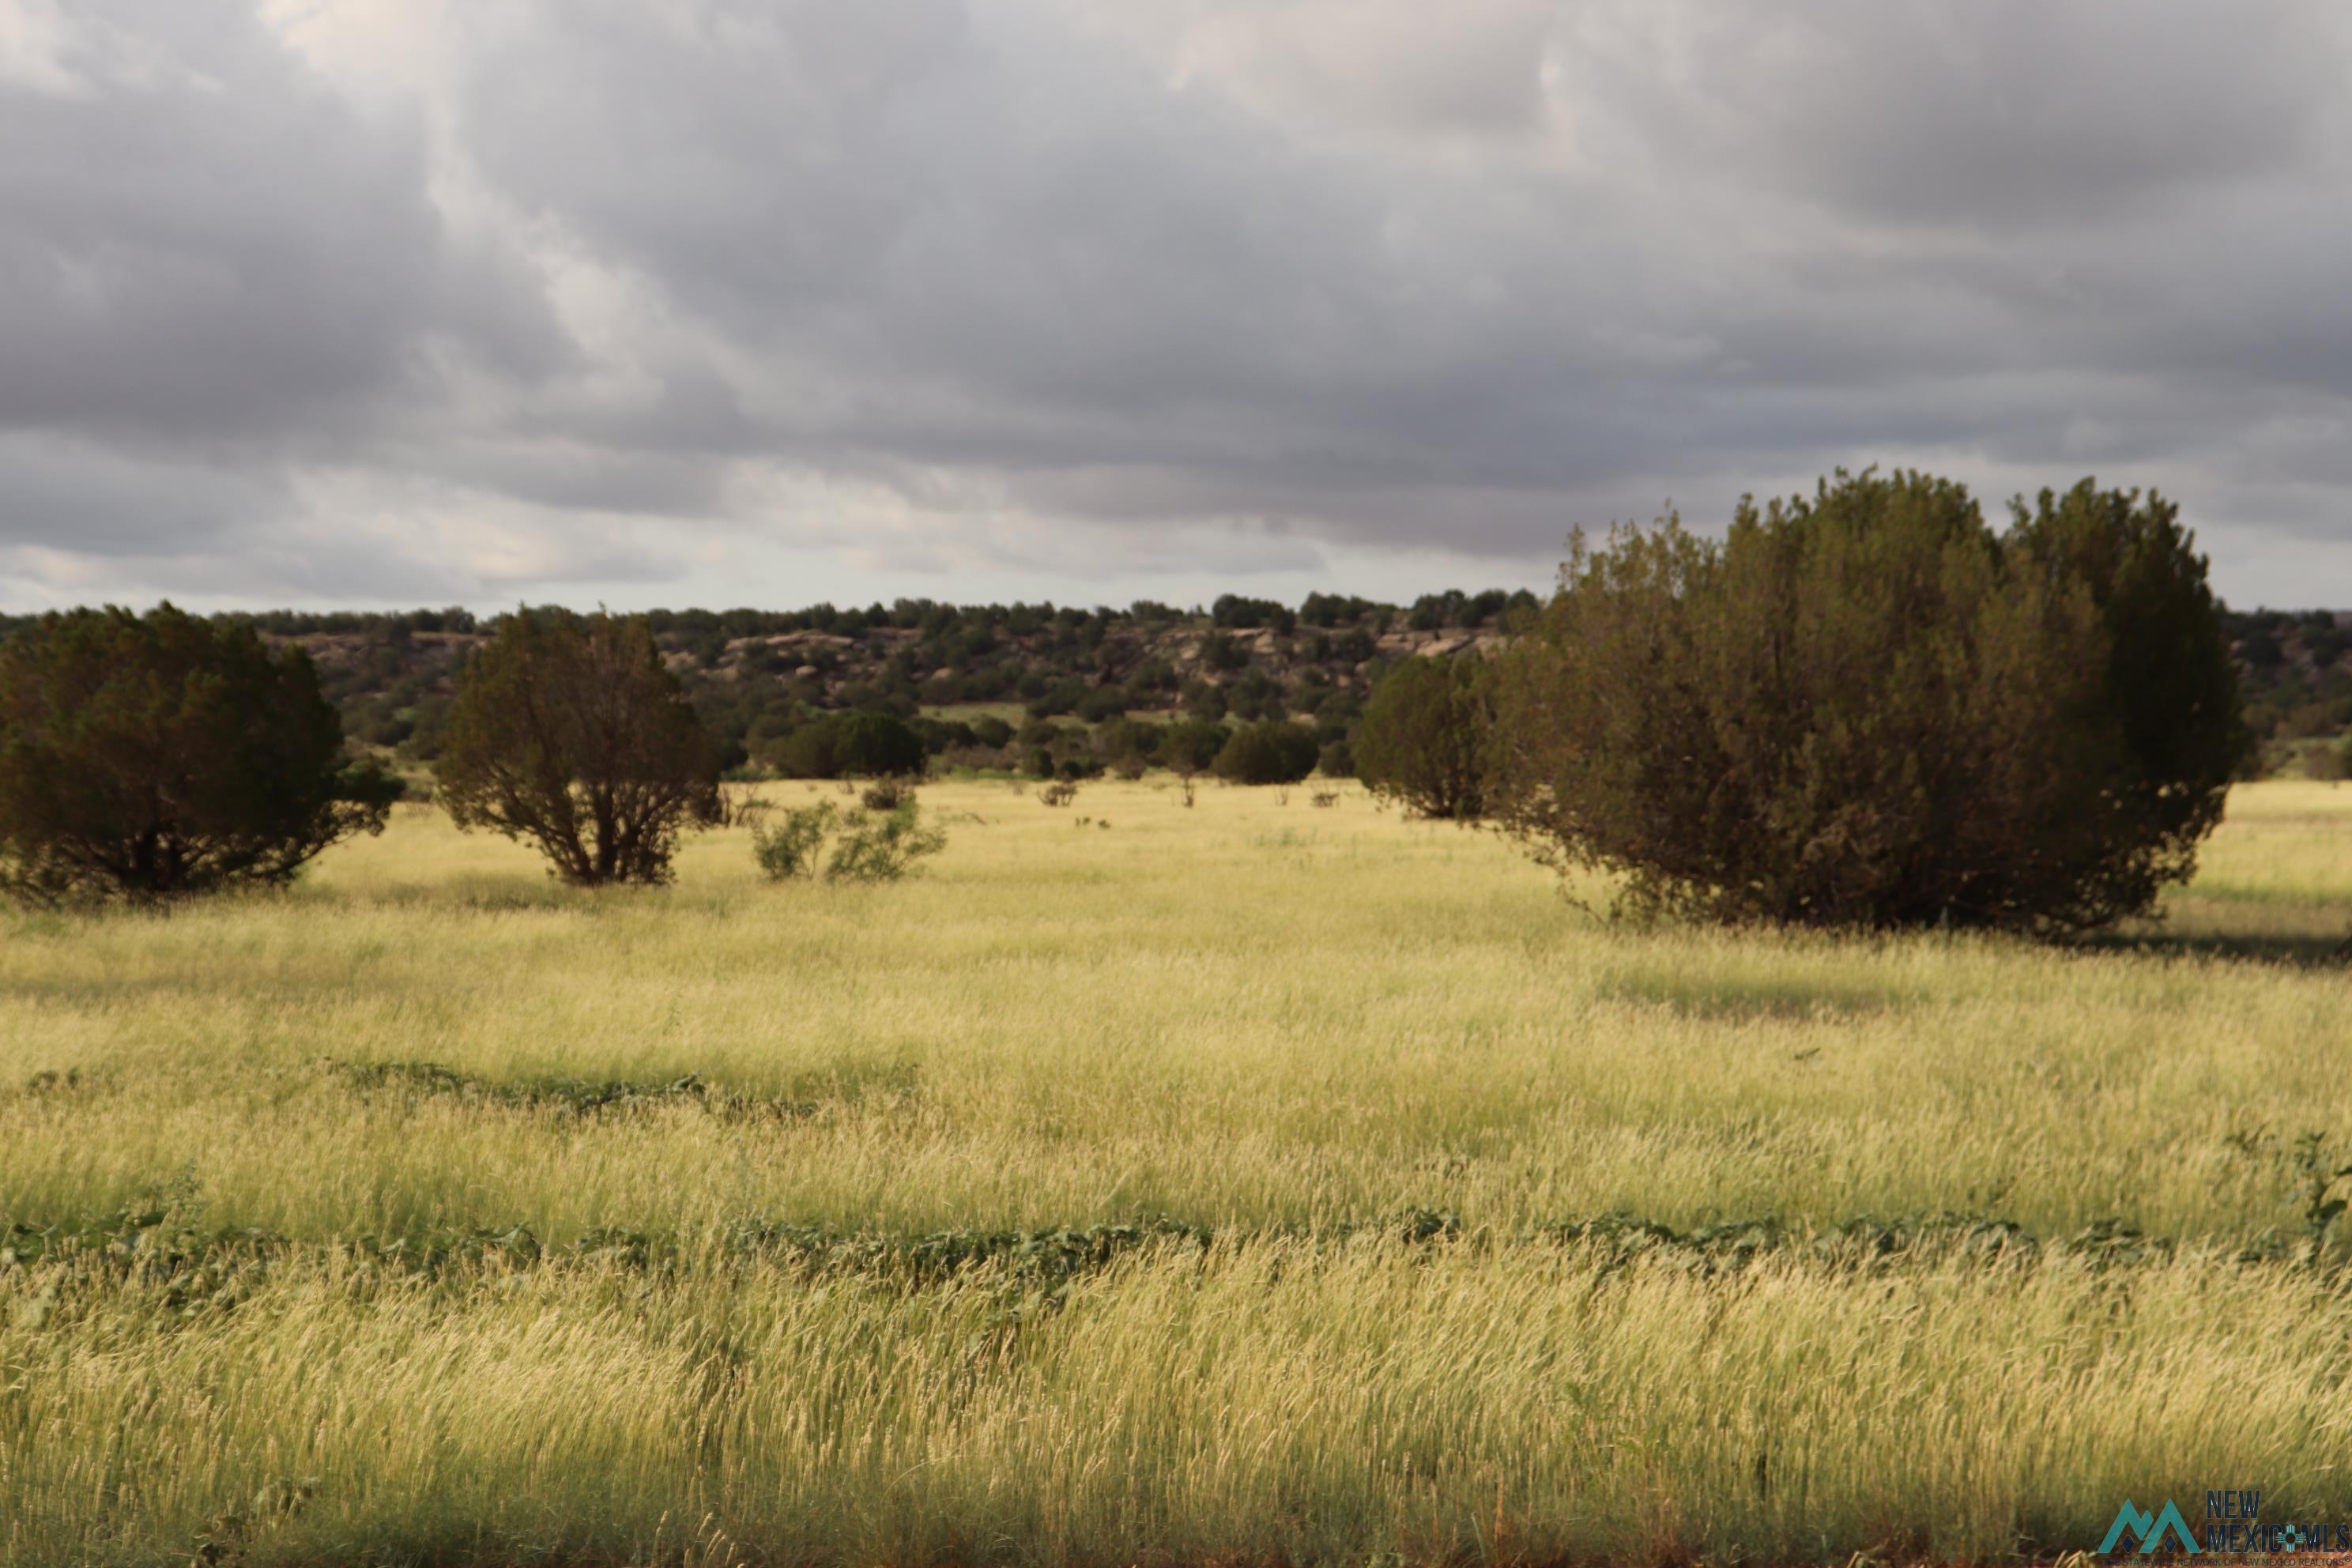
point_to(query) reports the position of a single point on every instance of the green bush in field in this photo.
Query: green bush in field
(2329, 763)
(1424, 733)
(1125, 739)
(1870, 708)
(789, 848)
(1191, 745)
(887, 793)
(882, 846)
(569, 731)
(867, 845)
(154, 757)
(854, 745)
(1273, 752)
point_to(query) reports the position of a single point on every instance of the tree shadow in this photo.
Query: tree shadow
(1738, 999)
(2291, 950)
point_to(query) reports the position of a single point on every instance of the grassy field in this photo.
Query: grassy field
(1250, 1183)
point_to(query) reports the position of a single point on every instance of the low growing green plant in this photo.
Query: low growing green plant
(867, 845)
(882, 847)
(2314, 1188)
(790, 848)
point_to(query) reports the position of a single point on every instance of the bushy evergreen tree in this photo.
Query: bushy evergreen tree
(1274, 751)
(1867, 708)
(152, 756)
(1191, 745)
(1423, 737)
(853, 745)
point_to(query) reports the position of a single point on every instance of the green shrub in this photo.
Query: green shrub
(1103, 704)
(867, 845)
(1869, 709)
(790, 847)
(879, 745)
(1191, 746)
(1276, 752)
(1125, 738)
(852, 745)
(882, 846)
(154, 757)
(1061, 696)
(1203, 701)
(886, 793)
(1424, 737)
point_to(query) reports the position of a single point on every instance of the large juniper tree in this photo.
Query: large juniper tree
(1868, 707)
(569, 731)
(152, 756)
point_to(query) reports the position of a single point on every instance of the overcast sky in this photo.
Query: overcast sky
(355, 303)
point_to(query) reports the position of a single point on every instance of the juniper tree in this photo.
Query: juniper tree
(150, 757)
(569, 731)
(1868, 707)
(1424, 737)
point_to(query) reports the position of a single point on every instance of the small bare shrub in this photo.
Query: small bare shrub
(888, 794)
(749, 812)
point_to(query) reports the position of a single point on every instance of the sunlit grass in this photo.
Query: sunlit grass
(1265, 1019)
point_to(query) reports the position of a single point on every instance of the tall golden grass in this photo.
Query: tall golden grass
(1279, 1024)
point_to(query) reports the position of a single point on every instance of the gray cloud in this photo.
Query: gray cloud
(82, 499)
(1994, 116)
(203, 242)
(1080, 294)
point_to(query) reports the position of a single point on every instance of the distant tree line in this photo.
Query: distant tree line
(1868, 706)
(758, 678)
(934, 667)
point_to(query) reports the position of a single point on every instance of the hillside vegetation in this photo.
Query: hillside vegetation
(759, 675)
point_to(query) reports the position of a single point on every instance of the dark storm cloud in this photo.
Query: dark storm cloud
(81, 499)
(1325, 276)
